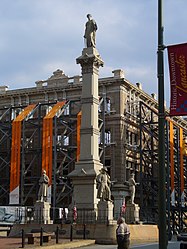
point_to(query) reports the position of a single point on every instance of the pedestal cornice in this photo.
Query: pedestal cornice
(85, 100)
(90, 61)
(91, 130)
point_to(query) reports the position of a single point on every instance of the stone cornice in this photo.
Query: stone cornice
(90, 61)
(89, 131)
(90, 100)
(110, 81)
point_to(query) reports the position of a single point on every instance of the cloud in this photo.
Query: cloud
(38, 37)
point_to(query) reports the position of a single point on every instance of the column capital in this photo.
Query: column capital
(90, 60)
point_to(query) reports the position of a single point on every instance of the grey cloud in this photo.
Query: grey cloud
(37, 35)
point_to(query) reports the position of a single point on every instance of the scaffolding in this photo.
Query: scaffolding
(176, 180)
(5, 145)
(144, 118)
(148, 124)
(37, 137)
(22, 135)
(47, 136)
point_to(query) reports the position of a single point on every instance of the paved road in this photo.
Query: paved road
(15, 243)
(171, 245)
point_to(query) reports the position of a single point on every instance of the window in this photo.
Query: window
(107, 137)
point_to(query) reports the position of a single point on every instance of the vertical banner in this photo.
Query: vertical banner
(171, 141)
(79, 115)
(15, 160)
(177, 57)
(181, 168)
(47, 143)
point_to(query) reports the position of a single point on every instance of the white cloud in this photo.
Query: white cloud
(37, 37)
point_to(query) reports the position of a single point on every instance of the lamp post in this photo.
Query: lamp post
(161, 129)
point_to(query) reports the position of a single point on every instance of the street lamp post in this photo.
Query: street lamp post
(161, 125)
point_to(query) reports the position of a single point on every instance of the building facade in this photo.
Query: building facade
(128, 122)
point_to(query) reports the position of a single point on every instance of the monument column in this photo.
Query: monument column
(86, 169)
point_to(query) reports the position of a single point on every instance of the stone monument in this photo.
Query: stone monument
(87, 168)
(42, 207)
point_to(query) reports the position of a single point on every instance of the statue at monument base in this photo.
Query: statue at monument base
(42, 207)
(132, 187)
(43, 190)
(132, 209)
(103, 185)
(105, 205)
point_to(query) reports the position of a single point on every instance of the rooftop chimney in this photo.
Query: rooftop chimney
(118, 73)
(3, 89)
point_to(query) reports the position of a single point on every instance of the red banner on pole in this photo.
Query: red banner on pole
(177, 56)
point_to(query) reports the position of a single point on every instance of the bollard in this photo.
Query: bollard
(41, 237)
(84, 232)
(57, 234)
(23, 238)
(71, 233)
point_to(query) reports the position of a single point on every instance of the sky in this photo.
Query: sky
(37, 37)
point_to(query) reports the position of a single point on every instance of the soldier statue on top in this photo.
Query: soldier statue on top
(90, 32)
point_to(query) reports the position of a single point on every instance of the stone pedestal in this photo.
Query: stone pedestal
(42, 212)
(105, 212)
(119, 192)
(132, 213)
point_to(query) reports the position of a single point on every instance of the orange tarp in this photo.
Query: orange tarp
(79, 115)
(16, 147)
(171, 139)
(47, 140)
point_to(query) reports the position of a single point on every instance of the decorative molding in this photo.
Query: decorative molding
(90, 131)
(90, 63)
(90, 100)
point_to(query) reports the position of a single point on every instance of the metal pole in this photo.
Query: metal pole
(57, 235)
(41, 237)
(161, 146)
(71, 232)
(84, 232)
(23, 238)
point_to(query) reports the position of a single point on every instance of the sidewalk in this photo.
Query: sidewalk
(15, 243)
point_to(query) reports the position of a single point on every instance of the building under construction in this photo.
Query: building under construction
(41, 124)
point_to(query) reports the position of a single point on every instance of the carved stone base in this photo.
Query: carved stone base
(105, 212)
(132, 213)
(42, 212)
